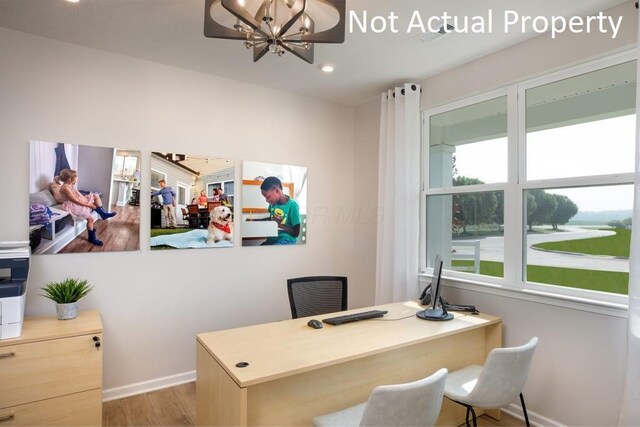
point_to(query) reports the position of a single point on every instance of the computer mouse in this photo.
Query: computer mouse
(315, 324)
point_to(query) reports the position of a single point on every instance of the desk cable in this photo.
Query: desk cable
(382, 319)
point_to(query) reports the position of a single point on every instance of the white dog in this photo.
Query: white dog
(220, 225)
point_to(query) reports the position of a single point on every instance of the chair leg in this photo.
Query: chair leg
(473, 412)
(469, 409)
(524, 410)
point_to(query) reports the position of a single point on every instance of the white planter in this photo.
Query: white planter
(67, 311)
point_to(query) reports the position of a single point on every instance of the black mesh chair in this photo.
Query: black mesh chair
(310, 296)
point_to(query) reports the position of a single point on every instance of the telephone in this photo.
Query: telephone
(425, 296)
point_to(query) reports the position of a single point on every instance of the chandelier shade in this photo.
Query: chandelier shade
(277, 26)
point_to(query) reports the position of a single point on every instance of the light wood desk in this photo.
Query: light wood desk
(296, 372)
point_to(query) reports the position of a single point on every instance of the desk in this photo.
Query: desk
(296, 372)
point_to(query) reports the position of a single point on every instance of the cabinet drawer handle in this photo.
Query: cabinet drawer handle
(6, 417)
(10, 354)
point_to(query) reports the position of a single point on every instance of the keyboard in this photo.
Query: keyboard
(354, 317)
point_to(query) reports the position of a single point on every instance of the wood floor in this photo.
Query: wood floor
(120, 233)
(176, 406)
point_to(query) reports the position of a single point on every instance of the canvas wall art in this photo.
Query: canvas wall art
(274, 204)
(83, 198)
(192, 201)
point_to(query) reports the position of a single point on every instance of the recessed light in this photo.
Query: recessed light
(72, 1)
(327, 68)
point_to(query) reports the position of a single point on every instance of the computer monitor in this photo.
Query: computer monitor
(437, 311)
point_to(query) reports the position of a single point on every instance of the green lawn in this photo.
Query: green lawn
(617, 245)
(164, 231)
(607, 281)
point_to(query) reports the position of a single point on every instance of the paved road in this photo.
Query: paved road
(492, 249)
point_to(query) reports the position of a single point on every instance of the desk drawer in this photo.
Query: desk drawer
(45, 369)
(79, 409)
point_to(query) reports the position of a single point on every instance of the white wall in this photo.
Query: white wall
(578, 370)
(154, 303)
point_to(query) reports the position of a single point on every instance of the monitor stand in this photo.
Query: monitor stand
(435, 314)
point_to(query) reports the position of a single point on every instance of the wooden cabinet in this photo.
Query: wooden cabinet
(52, 373)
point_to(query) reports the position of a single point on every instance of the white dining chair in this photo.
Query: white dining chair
(494, 385)
(413, 404)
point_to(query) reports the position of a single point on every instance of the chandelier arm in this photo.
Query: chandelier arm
(304, 54)
(259, 52)
(289, 36)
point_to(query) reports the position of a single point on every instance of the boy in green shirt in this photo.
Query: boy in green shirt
(283, 210)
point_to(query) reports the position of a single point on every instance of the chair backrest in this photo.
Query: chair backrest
(503, 376)
(310, 296)
(413, 404)
(193, 210)
(211, 205)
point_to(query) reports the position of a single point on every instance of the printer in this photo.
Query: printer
(14, 270)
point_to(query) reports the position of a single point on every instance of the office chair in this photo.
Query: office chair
(310, 296)
(496, 384)
(413, 404)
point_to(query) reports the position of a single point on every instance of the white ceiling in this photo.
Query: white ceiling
(171, 32)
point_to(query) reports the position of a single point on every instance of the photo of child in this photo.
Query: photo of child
(274, 204)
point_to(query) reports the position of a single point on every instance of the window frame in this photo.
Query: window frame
(187, 192)
(157, 187)
(514, 237)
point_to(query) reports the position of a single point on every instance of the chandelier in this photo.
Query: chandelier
(276, 26)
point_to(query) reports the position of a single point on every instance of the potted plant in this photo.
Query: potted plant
(66, 295)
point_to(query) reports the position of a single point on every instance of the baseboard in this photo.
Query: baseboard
(147, 386)
(534, 419)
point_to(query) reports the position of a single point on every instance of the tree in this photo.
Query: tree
(499, 213)
(531, 207)
(616, 223)
(473, 208)
(565, 210)
(546, 205)
(627, 222)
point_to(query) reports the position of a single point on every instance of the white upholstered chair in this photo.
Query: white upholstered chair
(413, 404)
(494, 385)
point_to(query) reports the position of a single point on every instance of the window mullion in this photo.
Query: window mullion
(512, 200)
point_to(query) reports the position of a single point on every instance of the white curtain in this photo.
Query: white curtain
(398, 195)
(630, 413)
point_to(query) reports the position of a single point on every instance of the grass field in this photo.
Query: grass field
(617, 245)
(164, 231)
(595, 280)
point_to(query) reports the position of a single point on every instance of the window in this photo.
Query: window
(156, 176)
(227, 186)
(183, 193)
(465, 198)
(125, 164)
(531, 188)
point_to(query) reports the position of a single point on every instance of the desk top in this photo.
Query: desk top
(276, 350)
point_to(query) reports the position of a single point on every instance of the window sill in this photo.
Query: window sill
(570, 302)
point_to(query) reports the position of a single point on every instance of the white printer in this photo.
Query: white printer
(14, 271)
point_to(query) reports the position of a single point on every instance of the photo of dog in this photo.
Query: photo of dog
(220, 225)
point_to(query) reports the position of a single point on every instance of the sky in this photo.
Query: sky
(587, 149)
